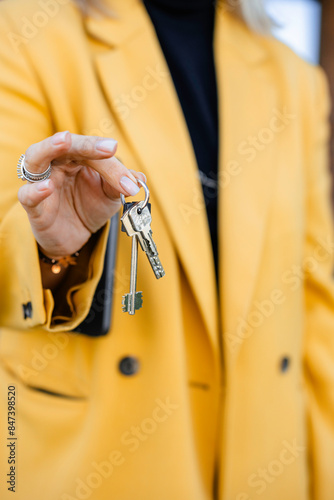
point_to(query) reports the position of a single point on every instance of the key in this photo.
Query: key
(126, 207)
(126, 222)
(133, 300)
(136, 222)
(140, 220)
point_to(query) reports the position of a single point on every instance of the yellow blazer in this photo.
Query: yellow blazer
(232, 398)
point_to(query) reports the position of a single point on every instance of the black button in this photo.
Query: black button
(285, 364)
(27, 310)
(129, 366)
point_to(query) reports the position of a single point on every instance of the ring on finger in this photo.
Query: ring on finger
(25, 175)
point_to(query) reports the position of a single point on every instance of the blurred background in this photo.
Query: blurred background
(307, 26)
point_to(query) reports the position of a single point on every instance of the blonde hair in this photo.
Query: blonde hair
(252, 12)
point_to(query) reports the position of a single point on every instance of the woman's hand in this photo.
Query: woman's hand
(82, 193)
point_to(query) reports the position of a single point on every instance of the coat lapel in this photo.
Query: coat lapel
(157, 133)
(246, 104)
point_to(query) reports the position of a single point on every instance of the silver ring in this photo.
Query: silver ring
(25, 175)
(147, 194)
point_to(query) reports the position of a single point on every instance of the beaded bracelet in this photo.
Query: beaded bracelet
(58, 264)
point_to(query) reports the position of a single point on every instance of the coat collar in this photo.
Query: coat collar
(128, 18)
(157, 133)
(122, 24)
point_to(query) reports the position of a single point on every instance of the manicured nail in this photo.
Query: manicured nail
(108, 145)
(44, 185)
(129, 186)
(59, 138)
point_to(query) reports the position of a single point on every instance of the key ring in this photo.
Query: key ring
(147, 194)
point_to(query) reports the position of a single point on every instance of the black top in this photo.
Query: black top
(185, 32)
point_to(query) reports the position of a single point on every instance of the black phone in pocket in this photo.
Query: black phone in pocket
(98, 320)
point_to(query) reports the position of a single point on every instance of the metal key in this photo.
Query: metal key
(133, 300)
(140, 219)
(136, 221)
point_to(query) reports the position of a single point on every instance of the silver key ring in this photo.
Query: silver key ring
(147, 194)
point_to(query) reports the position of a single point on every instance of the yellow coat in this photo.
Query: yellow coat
(234, 399)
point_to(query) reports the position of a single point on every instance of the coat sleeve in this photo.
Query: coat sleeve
(25, 119)
(319, 296)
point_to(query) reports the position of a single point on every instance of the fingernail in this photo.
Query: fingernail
(108, 146)
(59, 138)
(129, 186)
(42, 186)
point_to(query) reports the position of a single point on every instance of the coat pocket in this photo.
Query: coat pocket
(56, 364)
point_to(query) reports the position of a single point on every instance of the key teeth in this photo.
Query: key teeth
(138, 302)
(124, 303)
(157, 268)
(156, 265)
(159, 273)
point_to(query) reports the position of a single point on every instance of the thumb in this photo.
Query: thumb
(32, 194)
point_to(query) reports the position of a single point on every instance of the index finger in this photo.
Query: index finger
(67, 146)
